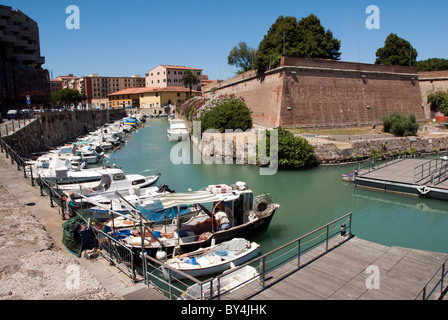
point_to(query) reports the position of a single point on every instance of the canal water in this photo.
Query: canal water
(308, 198)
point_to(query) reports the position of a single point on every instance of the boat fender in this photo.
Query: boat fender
(161, 255)
(232, 265)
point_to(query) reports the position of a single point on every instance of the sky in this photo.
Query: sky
(123, 38)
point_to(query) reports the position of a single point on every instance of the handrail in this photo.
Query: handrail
(433, 166)
(344, 229)
(444, 272)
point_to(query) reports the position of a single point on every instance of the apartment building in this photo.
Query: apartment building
(170, 76)
(97, 88)
(149, 97)
(23, 82)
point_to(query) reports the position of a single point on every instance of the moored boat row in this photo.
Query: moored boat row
(163, 223)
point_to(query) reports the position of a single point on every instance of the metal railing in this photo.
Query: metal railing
(109, 248)
(213, 288)
(430, 288)
(436, 168)
(378, 162)
(11, 126)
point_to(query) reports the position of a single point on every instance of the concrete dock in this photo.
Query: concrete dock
(416, 177)
(355, 269)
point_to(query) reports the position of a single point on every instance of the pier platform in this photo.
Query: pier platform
(355, 269)
(416, 177)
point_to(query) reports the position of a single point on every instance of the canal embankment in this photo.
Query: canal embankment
(50, 129)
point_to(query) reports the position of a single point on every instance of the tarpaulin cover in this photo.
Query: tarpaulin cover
(70, 235)
(156, 211)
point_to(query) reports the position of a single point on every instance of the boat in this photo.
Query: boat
(227, 283)
(177, 130)
(104, 208)
(55, 170)
(350, 176)
(112, 181)
(211, 260)
(248, 216)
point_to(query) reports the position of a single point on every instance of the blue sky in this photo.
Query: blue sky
(121, 38)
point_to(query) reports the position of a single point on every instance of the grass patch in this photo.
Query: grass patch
(337, 131)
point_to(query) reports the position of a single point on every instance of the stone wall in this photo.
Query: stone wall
(325, 93)
(330, 153)
(55, 128)
(432, 81)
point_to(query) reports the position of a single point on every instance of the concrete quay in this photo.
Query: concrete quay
(35, 265)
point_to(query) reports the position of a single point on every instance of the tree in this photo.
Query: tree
(433, 64)
(189, 79)
(228, 113)
(242, 57)
(306, 38)
(293, 152)
(68, 96)
(439, 101)
(400, 125)
(397, 52)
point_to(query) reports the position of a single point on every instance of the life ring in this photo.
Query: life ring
(423, 189)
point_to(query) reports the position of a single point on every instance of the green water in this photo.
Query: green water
(308, 198)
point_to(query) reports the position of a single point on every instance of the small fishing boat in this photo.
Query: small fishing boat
(177, 130)
(112, 181)
(247, 215)
(211, 260)
(350, 176)
(227, 283)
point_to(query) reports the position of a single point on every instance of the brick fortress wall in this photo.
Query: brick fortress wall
(325, 93)
(432, 81)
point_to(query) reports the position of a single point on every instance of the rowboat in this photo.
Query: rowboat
(211, 260)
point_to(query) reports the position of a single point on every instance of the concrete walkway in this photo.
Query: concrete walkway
(111, 278)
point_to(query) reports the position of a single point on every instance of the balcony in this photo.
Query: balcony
(8, 38)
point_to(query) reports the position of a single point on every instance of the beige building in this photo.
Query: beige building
(170, 76)
(148, 98)
(98, 88)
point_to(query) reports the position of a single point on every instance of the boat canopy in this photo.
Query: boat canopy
(156, 212)
(169, 200)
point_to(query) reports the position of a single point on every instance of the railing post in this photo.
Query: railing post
(169, 283)
(262, 272)
(441, 280)
(298, 253)
(326, 246)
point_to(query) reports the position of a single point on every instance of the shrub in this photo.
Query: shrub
(293, 152)
(218, 112)
(400, 125)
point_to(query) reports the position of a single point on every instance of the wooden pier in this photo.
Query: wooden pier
(416, 177)
(352, 269)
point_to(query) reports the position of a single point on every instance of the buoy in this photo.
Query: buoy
(161, 255)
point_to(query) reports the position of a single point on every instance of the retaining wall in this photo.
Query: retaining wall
(52, 129)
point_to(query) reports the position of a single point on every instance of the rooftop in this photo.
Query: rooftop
(149, 90)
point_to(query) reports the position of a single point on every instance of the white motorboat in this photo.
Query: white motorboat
(177, 130)
(211, 260)
(53, 169)
(112, 181)
(227, 283)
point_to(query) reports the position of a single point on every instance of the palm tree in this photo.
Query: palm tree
(189, 79)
